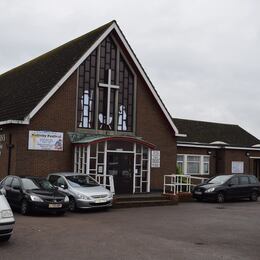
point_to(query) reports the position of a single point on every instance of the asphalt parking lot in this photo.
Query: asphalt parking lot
(186, 231)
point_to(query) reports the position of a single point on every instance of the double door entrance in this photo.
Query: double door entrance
(121, 167)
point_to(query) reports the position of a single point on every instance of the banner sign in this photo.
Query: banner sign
(156, 159)
(45, 140)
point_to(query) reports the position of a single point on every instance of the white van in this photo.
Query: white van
(6, 219)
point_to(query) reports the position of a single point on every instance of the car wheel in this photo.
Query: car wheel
(220, 198)
(254, 196)
(72, 204)
(5, 238)
(24, 207)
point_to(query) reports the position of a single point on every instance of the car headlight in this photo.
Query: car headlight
(6, 213)
(83, 197)
(66, 199)
(210, 190)
(36, 198)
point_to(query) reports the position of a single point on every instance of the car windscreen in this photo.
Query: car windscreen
(81, 181)
(36, 184)
(219, 179)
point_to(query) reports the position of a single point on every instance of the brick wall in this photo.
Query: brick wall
(152, 125)
(58, 114)
(221, 159)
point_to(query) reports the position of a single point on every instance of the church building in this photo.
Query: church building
(87, 106)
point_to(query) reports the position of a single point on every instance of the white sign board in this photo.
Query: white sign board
(156, 159)
(237, 167)
(45, 140)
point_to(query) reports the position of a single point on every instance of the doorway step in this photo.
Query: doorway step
(143, 200)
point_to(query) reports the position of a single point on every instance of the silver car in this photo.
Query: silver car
(6, 219)
(83, 191)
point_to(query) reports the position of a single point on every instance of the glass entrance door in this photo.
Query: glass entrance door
(121, 166)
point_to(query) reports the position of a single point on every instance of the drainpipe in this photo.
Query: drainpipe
(9, 146)
(248, 155)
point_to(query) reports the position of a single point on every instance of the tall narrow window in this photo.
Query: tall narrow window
(180, 162)
(126, 96)
(205, 165)
(107, 69)
(87, 91)
(106, 90)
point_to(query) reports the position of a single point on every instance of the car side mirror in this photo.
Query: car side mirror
(230, 184)
(63, 186)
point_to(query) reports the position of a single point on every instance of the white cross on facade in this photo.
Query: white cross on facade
(109, 86)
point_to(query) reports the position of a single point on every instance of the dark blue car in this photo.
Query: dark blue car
(225, 187)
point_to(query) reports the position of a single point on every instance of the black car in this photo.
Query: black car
(224, 187)
(33, 193)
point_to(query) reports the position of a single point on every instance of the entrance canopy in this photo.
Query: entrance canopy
(83, 139)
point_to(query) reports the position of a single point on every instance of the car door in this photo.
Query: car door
(254, 184)
(233, 188)
(16, 192)
(244, 186)
(6, 184)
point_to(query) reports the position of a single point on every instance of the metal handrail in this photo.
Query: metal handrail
(176, 182)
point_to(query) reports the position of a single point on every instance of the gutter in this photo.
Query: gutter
(217, 147)
(16, 122)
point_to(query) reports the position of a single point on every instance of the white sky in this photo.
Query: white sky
(202, 56)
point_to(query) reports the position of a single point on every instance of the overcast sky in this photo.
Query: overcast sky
(202, 55)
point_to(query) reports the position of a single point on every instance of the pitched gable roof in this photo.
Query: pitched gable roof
(208, 132)
(22, 88)
(36, 81)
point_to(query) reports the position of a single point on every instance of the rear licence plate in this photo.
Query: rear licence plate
(100, 200)
(55, 206)
(198, 192)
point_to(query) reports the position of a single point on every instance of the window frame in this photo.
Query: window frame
(115, 128)
(201, 162)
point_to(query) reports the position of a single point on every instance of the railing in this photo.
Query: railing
(106, 181)
(177, 183)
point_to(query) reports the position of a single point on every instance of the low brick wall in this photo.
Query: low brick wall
(180, 197)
